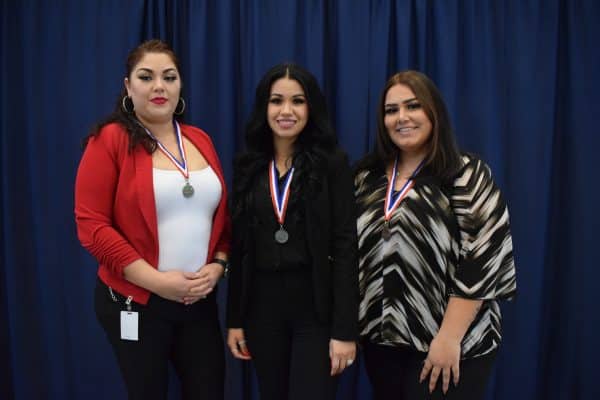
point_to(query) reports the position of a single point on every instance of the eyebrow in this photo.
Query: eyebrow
(143, 69)
(404, 102)
(294, 95)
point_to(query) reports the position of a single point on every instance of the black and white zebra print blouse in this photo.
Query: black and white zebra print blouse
(444, 242)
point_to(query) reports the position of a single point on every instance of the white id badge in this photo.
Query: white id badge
(129, 325)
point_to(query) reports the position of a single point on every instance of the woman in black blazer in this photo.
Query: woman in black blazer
(293, 288)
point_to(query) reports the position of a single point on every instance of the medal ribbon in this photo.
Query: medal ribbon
(181, 166)
(392, 201)
(279, 200)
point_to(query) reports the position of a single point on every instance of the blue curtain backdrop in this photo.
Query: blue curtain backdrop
(520, 78)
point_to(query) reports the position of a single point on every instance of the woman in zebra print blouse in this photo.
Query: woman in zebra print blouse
(435, 252)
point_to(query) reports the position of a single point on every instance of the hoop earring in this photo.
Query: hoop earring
(182, 102)
(124, 104)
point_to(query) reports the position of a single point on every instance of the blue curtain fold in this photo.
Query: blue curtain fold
(520, 78)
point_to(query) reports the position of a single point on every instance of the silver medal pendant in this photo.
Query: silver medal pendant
(385, 232)
(188, 190)
(281, 236)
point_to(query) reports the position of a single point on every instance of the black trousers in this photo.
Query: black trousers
(394, 375)
(288, 345)
(187, 336)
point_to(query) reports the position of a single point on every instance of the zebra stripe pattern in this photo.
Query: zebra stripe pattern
(444, 242)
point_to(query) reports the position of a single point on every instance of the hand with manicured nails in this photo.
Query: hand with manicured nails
(236, 341)
(342, 354)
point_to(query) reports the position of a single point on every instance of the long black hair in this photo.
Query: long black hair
(316, 139)
(443, 155)
(123, 112)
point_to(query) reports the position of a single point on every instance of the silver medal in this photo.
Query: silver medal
(385, 232)
(188, 190)
(281, 236)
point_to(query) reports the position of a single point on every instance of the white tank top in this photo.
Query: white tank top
(184, 224)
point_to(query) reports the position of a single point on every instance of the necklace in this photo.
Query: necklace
(182, 167)
(392, 200)
(280, 200)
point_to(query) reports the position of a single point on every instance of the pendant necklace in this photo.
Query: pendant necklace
(392, 201)
(182, 167)
(280, 200)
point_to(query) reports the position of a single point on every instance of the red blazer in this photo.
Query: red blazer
(115, 209)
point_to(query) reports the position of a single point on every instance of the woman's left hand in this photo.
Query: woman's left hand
(342, 354)
(208, 277)
(443, 358)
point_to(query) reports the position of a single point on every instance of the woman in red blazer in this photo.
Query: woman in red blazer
(150, 206)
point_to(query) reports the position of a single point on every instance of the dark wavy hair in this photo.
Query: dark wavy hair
(126, 118)
(316, 139)
(443, 155)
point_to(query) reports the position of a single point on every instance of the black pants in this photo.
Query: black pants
(289, 347)
(188, 336)
(394, 375)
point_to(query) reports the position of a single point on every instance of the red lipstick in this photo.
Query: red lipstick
(159, 100)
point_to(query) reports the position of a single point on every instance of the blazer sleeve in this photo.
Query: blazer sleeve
(344, 253)
(95, 188)
(486, 267)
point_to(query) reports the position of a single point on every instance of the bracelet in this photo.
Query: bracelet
(223, 264)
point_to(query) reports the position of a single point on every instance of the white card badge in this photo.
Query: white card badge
(129, 325)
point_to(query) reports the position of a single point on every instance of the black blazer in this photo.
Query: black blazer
(332, 243)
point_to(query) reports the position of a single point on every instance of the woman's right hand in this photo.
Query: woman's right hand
(237, 344)
(178, 285)
(172, 285)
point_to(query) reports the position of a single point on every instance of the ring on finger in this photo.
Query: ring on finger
(349, 362)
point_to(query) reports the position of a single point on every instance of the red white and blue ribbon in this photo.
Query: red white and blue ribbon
(181, 166)
(392, 201)
(279, 200)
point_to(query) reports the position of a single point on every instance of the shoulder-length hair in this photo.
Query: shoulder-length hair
(123, 112)
(443, 155)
